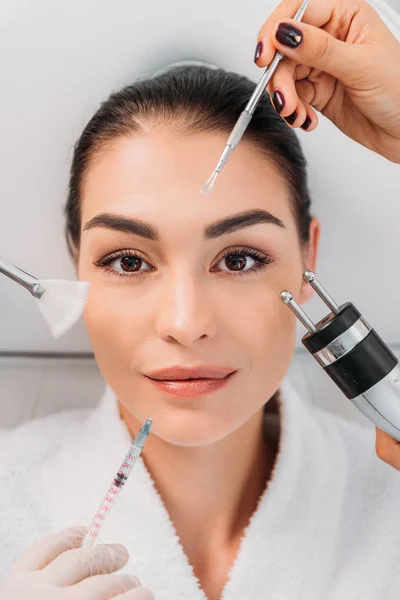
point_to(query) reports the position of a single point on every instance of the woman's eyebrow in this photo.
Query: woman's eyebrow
(214, 230)
(124, 224)
(240, 220)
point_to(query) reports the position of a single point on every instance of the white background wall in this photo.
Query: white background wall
(58, 60)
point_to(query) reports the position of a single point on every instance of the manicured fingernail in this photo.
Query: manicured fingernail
(291, 118)
(278, 101)
(289, 35)
(306, 123)
(259, 49)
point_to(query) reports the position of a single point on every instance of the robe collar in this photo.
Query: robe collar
(277, 547)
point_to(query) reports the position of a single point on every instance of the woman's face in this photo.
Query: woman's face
(163, 290)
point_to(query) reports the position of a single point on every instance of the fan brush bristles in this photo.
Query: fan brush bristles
(62, 303)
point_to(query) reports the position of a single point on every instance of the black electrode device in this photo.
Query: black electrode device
(354, 357)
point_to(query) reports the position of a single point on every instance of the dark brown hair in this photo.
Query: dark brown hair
(194, 99)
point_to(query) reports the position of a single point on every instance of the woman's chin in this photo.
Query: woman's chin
(190, 428)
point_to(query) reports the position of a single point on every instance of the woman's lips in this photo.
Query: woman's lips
(190, 388)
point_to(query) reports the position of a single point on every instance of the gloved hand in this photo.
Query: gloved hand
(56, 568)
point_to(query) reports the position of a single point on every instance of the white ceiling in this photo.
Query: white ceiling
(58, 60)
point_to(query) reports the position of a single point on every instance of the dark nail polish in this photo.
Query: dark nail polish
(259, 49)
(291, 118)
(306, 123)
(278, 101)
(289, 35)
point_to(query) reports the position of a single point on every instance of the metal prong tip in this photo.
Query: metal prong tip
(286, 296)
(207, 187)
(309, 276)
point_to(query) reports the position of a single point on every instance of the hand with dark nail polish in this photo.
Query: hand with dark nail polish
(278, 101)
(289, 35)
(351, 69)
(291, 118)
(258, 51)
(306, 124)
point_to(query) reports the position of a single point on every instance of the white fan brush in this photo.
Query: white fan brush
(60, 301)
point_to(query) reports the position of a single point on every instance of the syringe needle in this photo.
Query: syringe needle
(155, 408)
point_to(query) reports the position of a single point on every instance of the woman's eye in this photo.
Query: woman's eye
(234, 262)
(129, 264)
(242, 262)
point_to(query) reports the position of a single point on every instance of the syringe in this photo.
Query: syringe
(119, 481)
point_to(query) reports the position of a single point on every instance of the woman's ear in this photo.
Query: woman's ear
(310, 258)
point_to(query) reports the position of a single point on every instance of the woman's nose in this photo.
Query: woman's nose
(185, 312)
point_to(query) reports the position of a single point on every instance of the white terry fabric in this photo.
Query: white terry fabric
(326, 528)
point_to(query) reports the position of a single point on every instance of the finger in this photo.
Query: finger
(311, 121)
(336, 18)
(297, 117)
(284, 95)
(42, 552)
(287, 99)
(317, 13)
(283, 90)
(387, 448)
(318, 89)
(302, 72)
(102, 587)
(142, 593)
(73, 566)
(314, 47)
(306, 90)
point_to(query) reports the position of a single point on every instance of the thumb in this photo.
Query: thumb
(314, 47)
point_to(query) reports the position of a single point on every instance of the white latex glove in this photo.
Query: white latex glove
(56, 568)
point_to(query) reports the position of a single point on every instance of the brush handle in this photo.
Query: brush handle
(19, 276)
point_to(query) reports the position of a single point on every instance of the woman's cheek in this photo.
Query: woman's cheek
(274, 328)
(97, 318)
(105, 321)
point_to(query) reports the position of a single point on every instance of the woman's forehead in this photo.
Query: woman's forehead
(160, 175)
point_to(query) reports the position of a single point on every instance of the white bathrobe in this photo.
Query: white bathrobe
(326, 528)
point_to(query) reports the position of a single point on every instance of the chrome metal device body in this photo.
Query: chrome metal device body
(354, 356)
(29, 282)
